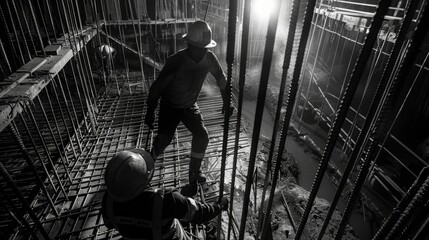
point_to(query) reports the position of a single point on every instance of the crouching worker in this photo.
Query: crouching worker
(139, 211)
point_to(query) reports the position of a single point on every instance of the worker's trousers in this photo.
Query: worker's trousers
(169, 119)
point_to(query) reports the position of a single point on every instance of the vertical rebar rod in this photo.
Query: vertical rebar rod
(88, 95)
(286, 64)
(241, 82)
(63, 28)
(5, 58)
(63, 118)
(230, 52)
(315, 61)
(24, 39)
(15, 34)
(29, 113)
(84, 52)
(48, 6)
(355, 43)
(381, 88)
(24, 202)
(144, 81)
(382, 122)
(75, 128)
(79, 96)
(9, 39)
(36, 24)
(137, 43)
(87, 76)
(19, 215)
(64, 160)
(304, 70)
(121, 36)
(18, 139)
(45, 29)
(67, 87)
(107, 39)
(265, 73)
(56, 123)
(30, 36)
(413, 207)
(344, 106)
(416, 221)
(36, 150)
(405, 201)
(293, 89)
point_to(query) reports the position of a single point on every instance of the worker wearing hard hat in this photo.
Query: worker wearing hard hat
(106, 54)
(139, 211)
(178, 86)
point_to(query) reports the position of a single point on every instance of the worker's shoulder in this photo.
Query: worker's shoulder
(211, 55)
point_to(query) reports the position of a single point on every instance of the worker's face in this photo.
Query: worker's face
(196, 53)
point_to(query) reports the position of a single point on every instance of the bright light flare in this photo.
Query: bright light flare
(262, 9)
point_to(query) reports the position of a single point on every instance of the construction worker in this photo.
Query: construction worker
(139, 211)
(106, 54)
(178, 86)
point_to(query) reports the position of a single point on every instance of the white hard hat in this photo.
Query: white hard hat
(106, 50)
(128, 173)
(200, 35)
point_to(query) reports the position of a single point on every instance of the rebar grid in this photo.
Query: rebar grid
(119, 127)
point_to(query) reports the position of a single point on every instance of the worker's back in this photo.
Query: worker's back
(136, 219)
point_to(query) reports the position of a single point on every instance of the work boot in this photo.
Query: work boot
(195, 174)
(195, 177)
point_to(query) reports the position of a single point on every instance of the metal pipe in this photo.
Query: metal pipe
(381, 88)
(265, 72)
(382, 121)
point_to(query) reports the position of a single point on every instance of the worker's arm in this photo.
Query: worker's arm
(158, 86)
(189, 210)
(218, 73)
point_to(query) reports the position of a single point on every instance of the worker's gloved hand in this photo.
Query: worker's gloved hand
(228, 110)
(223, 203)
(149, 119)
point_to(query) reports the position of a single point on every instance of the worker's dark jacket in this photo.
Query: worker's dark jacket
(133, 219)
(181, 80)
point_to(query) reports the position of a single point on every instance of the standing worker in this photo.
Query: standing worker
(139, 211)
(106, 54)
(178, 86)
